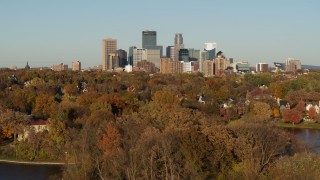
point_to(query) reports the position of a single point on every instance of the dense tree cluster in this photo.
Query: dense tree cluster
(141, 126)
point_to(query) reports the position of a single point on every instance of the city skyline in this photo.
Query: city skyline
(46, 33)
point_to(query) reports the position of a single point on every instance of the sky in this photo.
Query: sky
(45, 32)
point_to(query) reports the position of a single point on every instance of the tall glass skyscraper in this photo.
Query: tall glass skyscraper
(149, 38)
(149, 41)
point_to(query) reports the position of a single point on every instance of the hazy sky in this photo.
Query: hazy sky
(50, 32)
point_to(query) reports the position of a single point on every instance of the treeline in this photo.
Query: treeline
(141, 126)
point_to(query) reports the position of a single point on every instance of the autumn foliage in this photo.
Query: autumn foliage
(291, 115)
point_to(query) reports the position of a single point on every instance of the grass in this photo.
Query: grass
(301, 125)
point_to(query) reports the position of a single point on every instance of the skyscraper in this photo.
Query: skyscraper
(211, 50)
(178, 39)
(109, 46)
(170, 52)
(123, 60)
(178, 44)
(149, 38)
(149, 41)
(184, 55)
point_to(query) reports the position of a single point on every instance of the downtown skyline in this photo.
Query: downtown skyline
(46, 33)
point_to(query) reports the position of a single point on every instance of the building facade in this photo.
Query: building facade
(221, 63)
(184, 55)
(149, 41)
(60, 67)
(178, 44)
(170, 66)
(292, 65)
(108, 46)
(147, 66)
(122, 55)
(139, 54)
(194, 54)
(208, 68)
(262, 67)
(76, 66)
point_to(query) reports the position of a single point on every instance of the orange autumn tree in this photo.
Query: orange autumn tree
(110, 141)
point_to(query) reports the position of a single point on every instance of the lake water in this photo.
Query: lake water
(10, 171)
(310, 137)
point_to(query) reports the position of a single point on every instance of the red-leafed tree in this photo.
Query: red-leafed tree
(291, 115)
(301, 106)
(312, 112)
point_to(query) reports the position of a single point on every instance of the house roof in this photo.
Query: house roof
(39, 122)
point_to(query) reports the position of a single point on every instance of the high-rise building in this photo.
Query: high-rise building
(194, 54)
(208, 68)
(292, 65)
(170, 52)
(123, 60)
(149, 38)
(139, 54)
(149, 41)
(221, 63)
(184, 55)
(178, 39)
(108, 46)
(170, 66)
(262, 67)
(130, 55)
(178, 44)
(210, 48)
(76, 66)
(153, 56)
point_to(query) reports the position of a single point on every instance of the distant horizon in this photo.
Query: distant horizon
(47, 33)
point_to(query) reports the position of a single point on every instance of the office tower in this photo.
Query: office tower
(76, 66)
(178, 39)
(203, 57)
(194, 54)
(262, 67)
(292, 65)
(170, 52)
(149, 41)
(60, 67)
(221, 63)
(231, 60)
(178, 44)
(153, 56)
(122, 55)
(108, 46)
(184, 55)
(149, 38)
(130, 55)
(138, 54)
(210, 48)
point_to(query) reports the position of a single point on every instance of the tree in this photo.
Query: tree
(259, 143)
(312, 112)
(291, 115)
(260, 111)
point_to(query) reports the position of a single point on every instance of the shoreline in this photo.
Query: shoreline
(31, 163)
(314, 126)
